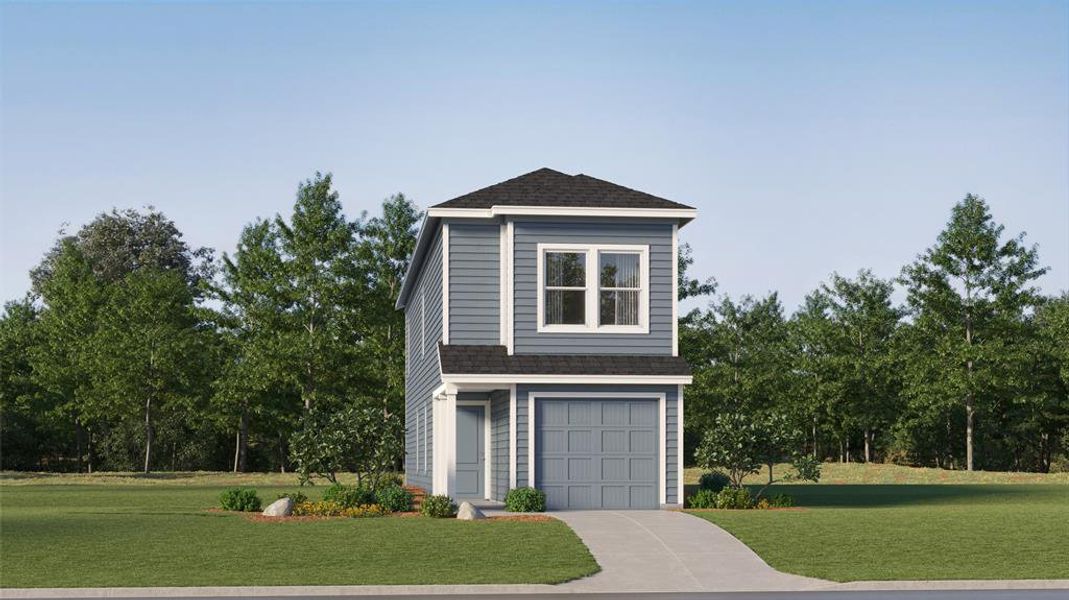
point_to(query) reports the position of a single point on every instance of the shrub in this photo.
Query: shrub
(394, 498)
(240, 499)
(781, 501)
(703, 499)
(733, 498)
(333, 509)
(439, 507)
(349, 496)
(392, 479)
(713, 481)
(297, 497)
(525, 499)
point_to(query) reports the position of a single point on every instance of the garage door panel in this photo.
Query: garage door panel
(579, 440)
(598, 453)
(614, 440)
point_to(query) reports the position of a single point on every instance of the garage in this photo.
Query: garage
(593, 453)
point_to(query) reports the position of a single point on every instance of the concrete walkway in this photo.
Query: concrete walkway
(661, 550)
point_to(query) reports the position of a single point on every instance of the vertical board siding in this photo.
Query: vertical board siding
(655, 234)
(499, 438)
(672, 445)
(422, 371)
(474, 283)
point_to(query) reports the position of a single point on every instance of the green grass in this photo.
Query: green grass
(941, 531)
(857, 473)
(93, 534)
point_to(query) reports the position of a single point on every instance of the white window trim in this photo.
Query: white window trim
(661, 397)
(593, 288)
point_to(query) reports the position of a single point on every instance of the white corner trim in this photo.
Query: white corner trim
(512, 436)
(663, 423)
(675, 289)
(662, 411)
(530, 439)
(563, 211)
(679, 444)
(502, 284)
(505, 379)
(445, 283)
(592, 288)
(510, 287)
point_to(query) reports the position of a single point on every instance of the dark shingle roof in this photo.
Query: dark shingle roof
(546, 187)
(495, 360)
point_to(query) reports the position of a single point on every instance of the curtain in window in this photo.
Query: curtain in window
(620, 281)
(565, 285)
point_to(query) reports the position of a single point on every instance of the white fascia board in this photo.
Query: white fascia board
(563, 211)
(505, 379)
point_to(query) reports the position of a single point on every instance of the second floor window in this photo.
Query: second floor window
(602, 288)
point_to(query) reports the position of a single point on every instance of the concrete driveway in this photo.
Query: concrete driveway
(661, 550)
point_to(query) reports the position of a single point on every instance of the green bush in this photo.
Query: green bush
(240, 499)
(297, 497)
(525, 499)
(394, 498)
(438, 507)
(781, 501)
(702, 499)
(713, 481)
(733, 498)
(349, 496)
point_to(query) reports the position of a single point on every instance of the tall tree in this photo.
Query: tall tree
(965, 293)
(865, 321)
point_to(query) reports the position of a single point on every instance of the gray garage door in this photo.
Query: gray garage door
(597, 453)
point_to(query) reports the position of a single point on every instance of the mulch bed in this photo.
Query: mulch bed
(260, 518)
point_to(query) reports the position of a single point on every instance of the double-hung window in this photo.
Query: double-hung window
(593, 288)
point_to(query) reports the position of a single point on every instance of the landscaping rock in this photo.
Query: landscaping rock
(468, 512)
(283, 507)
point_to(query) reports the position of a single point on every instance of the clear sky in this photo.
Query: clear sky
(813, 137)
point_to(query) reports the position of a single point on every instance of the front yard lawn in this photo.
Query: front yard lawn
(161, 535)
(870, 532)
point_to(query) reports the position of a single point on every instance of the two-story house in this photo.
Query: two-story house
(542, 345)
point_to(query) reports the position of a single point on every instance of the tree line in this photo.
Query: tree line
(134, 351)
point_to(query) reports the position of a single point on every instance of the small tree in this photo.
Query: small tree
(361, 439)
(740, 445)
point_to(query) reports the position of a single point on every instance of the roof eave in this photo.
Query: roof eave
(423, 242)
(683, 215)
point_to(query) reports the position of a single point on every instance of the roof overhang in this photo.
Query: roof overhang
(684, 215)
(423, 244)
(462, 379)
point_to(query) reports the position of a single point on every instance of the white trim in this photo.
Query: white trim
(663, 450)
(502, 284)
(487, 452)
(564, 211)
(512, 436)
(663, 426)
(593, 288)
(679, 444)
(675, 289)
(531, 439)
(445, 283)
(510, 288)
(505, 379)
(419, 439)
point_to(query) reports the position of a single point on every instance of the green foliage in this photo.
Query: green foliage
(438, 507)
(781, 501)
(733, 445)
(240, 499)
(349, 496)
(525, 499)
(703, 498)
(297, 497)
(394, 498)
(360, 439)
(733, 499)
(713, 481)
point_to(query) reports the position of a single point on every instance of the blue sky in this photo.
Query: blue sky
(813, 137)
